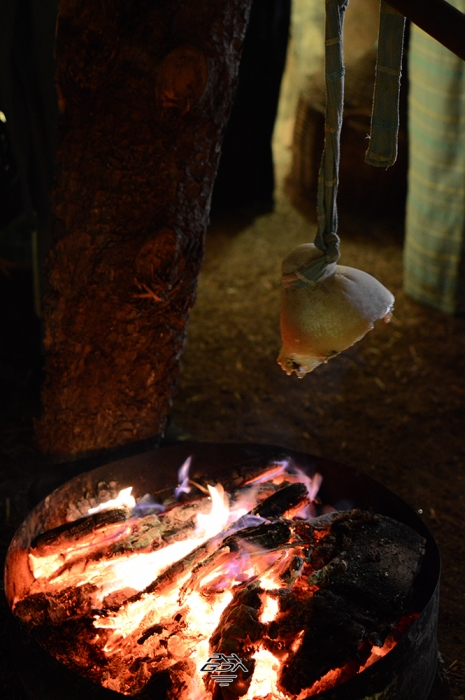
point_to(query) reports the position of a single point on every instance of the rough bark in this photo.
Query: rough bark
(145, 90)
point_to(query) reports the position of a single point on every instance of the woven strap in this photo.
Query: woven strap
(327, 239)
(382, 151)
(384, 125)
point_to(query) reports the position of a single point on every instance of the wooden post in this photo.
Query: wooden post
(145, 88)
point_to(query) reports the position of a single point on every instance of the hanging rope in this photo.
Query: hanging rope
(327, 239)
(382, 150)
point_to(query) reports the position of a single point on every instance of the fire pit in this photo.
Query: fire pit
(307, 601)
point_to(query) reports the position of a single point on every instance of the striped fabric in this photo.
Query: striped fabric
(434, 251)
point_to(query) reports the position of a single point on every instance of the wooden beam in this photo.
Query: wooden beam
(437, 18)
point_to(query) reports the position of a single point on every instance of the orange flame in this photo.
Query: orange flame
(123, 500)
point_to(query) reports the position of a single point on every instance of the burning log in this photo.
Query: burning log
(82, 543)
(60, 549)
(140, 535)
(87, 530)
(284, 500)
(110, 534)
(264, 537)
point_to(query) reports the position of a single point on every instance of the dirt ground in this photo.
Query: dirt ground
(392, 405)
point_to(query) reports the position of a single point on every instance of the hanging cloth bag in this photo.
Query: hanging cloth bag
(327, 307)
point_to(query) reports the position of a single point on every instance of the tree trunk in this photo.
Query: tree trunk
(145, 89)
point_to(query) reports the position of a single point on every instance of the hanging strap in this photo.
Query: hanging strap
(382, 151)
(327, 239)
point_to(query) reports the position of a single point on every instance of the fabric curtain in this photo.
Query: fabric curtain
(434, 252)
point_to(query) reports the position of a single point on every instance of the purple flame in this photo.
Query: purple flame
(183, 478)
(147, 506)
(277, 468)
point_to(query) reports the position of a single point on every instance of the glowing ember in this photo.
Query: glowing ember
(265, 677)
(270, 609)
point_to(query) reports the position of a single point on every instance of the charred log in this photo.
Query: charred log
(365, 586)
(56, 608)
(102, 524)
(283, 502)
(238, 632)
(379, 559)
(68, 643)
(239, 622)
(334, 632)
(169, 684)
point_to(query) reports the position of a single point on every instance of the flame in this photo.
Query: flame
(213, 522)
(123, 500)
(378, 652)
(43, 567)
(313, 486)
(265, 677)
(270, 609)
(183, 478)
(295, 646)
(326, 682)
(139, 570)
